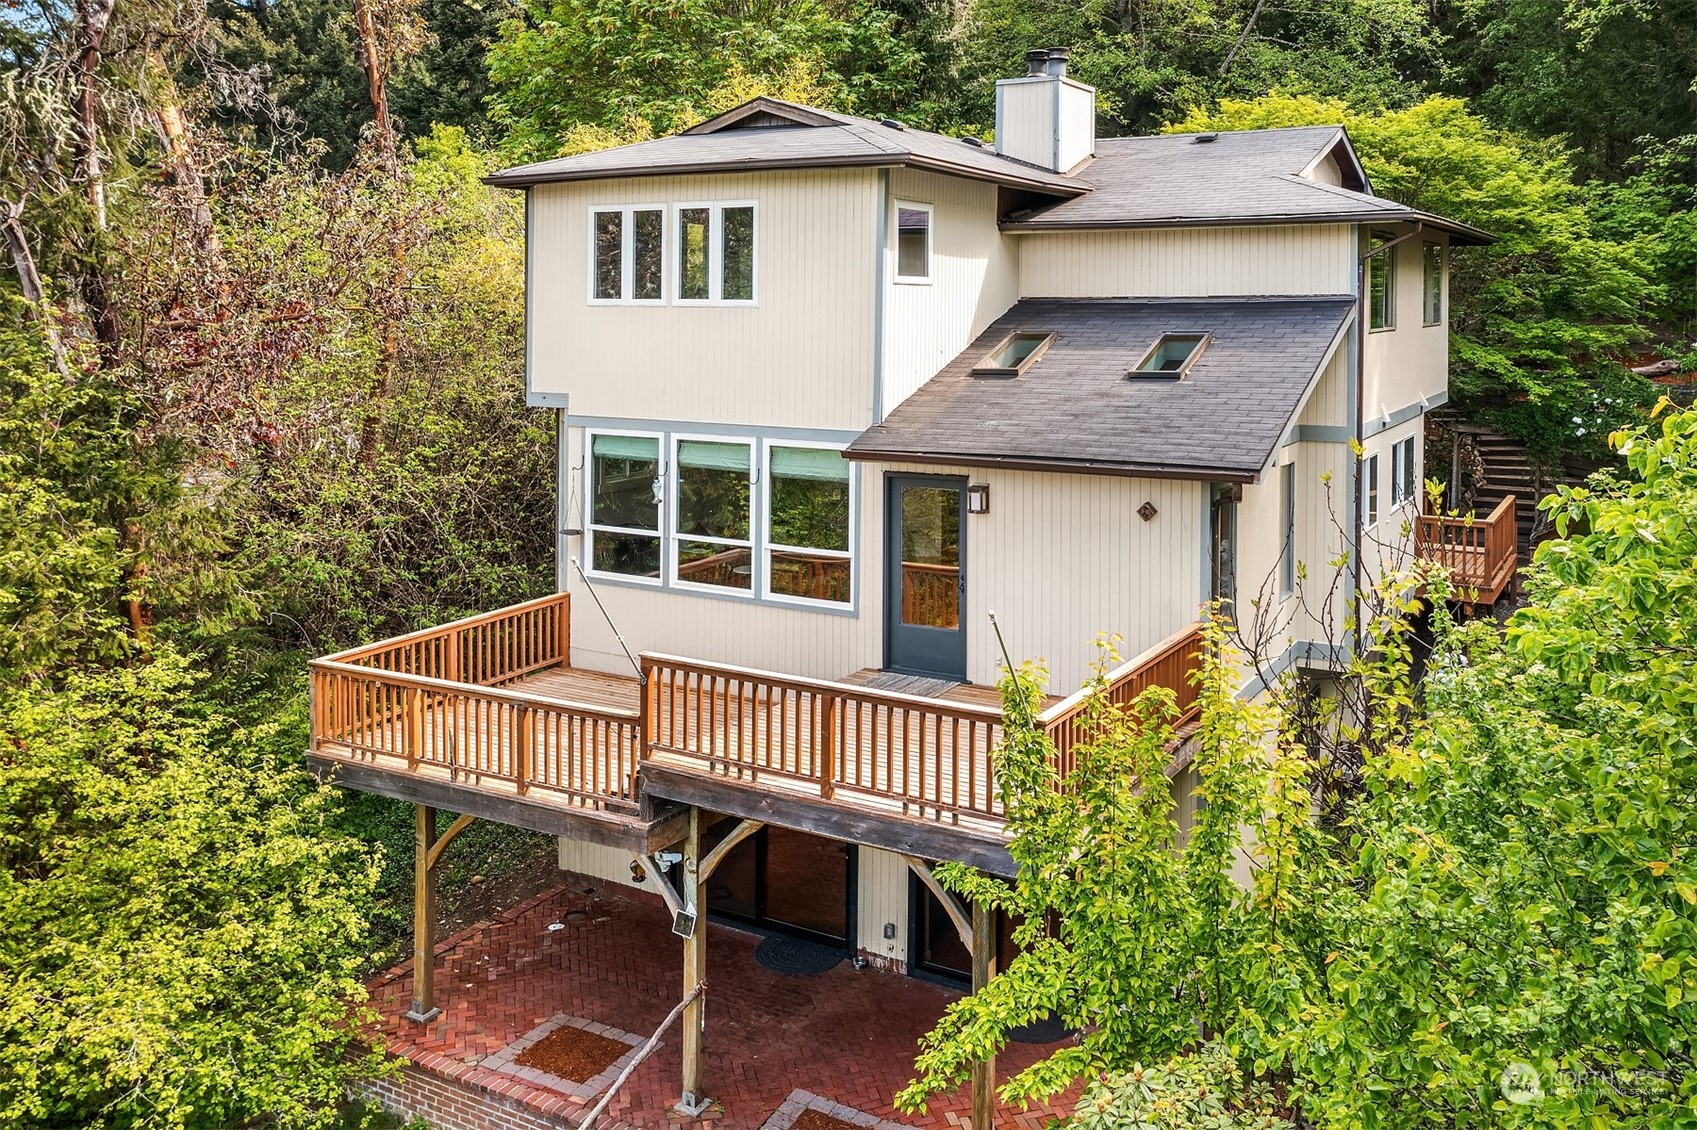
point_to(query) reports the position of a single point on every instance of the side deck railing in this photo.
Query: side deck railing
(1171, 663)
(435, 701)
(1480, 553)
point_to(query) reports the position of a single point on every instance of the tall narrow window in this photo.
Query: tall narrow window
(609, 255)
(1404, 484)
(1432, 290)
(712, 510)
(1370, 491)
(624, 507)
(629, 254)
(807, 532)
(913, 243)
(1381, 289)
(737, 261)
(695, 233)
(1287, 498)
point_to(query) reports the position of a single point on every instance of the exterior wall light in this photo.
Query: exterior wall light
(978, 498)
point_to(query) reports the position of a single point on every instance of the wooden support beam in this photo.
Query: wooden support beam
(424, 1007)
(460, 824)
(951, 905)
(983, 968)
(694, 1101)
(723, 848)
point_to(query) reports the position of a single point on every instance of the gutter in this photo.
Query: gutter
(1076, 466)
(1470, 236)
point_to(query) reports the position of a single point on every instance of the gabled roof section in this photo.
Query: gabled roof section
(769, 133)
(1231, 177)
(1077, 409)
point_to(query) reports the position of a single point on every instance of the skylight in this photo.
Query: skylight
(1014, 354)
(1171, 356)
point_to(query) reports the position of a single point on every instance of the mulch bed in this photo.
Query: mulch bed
(571, 1053)
(819, 1120)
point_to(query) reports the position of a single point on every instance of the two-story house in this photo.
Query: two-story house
(832, 391)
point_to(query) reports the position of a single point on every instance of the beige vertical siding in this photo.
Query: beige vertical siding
(1328, 403)
(1306, 259)
(974, 280)
(599, 862)
(1025, 120)
(1411, 362)
(1078, 124)
(883, 879)
(803, 357)
(1326, 171)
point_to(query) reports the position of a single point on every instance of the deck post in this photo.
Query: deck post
(694, 1101)
(983, 968)
(424, 1007)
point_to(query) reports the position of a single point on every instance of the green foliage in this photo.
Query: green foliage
(1205, 1091)
(1530, 316)
(180, 928)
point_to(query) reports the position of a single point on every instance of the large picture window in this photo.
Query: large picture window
(715, 253)
(624, 507)
(807, 524)
(628, 254)
(712, 513)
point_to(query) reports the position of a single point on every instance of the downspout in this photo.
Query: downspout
(1358, 425)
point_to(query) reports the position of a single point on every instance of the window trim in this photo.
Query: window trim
(767, 545)
(1287, 522)
(930, 274)
(1426, 249)
(985, 369)
(1404, 480)
(1371, 511)
(627, 242)
(670, 550)
(715, 253)
(590, 528)
(1389, 257)
(1138, 373)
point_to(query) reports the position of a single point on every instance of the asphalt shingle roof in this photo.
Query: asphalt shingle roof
(1076, 407)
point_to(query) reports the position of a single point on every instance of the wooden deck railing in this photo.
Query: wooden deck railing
(929, 757)
(1480, 553)
(1170, 663)
(432, 701)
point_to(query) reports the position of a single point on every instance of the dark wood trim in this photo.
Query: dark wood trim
(1123, 470)
(925, 839)
(610, 829)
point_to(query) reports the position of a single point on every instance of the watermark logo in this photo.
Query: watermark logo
(1520, 1084)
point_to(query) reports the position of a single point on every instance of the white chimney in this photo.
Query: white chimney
(1046, 118)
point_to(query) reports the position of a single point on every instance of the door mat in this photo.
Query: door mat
(795, 958)
(920, 685)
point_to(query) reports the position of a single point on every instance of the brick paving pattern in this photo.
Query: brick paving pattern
(844, 1037)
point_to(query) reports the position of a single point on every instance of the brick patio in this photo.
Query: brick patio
(845, 1037)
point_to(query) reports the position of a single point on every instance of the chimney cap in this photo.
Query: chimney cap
(1057, 61)
(1036, 60)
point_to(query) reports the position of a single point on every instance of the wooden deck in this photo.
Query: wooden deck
(611, 758)
(1480, 553)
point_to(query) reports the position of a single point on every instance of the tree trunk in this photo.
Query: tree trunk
(93, 17)
(376, 78)
(172, 126)
(29, 279)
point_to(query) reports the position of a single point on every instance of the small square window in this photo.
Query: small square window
(913, 242)
(1171, 357)
(1014, 354)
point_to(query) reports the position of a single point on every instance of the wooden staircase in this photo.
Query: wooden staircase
(1508, 470)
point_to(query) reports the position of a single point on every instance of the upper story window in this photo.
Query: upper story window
(1381, 288)
(628, 260)
(1432, 285)
(913, 242)
(715, 252)
(1404, 483)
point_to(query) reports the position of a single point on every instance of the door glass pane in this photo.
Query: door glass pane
(807, 882)
(732, 888)
(609, 251)
(692, 253)
(713, 489)
(738, 261)
(944, 952)
(646, 259)
(930, 580)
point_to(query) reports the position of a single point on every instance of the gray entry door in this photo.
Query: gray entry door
(925, 576)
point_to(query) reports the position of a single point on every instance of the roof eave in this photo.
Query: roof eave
(1463, 234)
(1073, 466)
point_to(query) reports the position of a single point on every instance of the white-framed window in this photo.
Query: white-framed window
(713, 512)
(624, 493)
(627, 253)
(1381, 287)
(809, 523)
(913, 242)
(1370, 491)
(1405, 481)
(1287, 509)
(1432, 285)
(714, 253)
